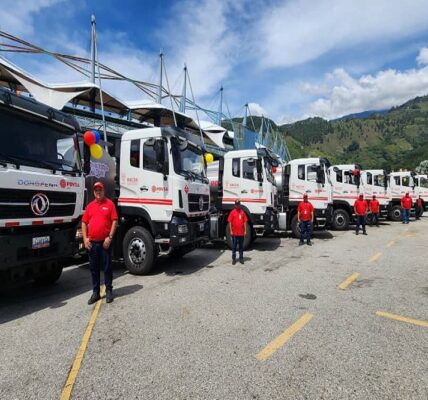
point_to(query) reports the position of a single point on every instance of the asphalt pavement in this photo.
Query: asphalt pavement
(344, 319)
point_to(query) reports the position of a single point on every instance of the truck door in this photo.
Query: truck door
(315, 187)
(145, 182)
(252, 191)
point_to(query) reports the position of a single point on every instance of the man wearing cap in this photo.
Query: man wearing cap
(361, 208)
(374, 209)
(406, 205)
(99, 223)
(305, 219)
(237, 224)
(418, 207)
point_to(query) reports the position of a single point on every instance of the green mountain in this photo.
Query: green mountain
(392, 140)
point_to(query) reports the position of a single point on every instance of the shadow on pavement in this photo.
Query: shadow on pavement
(26, 298)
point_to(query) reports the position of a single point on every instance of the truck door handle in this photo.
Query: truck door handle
(144, 188)
(244, 191)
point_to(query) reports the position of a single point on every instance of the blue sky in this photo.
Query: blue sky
(288, 59)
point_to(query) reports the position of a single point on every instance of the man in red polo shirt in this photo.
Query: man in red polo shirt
(237, 224)
(305, 218)
(406, 205)
(361, 208)
(99, 223)
(418, 208)
(374, 209)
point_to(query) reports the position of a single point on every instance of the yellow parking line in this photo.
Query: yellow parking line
(375, 257)
(278, 342)
(391, 243)
(348, 281)
(402, 319)
(68, 387)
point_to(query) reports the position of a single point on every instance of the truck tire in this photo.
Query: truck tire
(295, 228)
(48, 277)
(138, 251)
(247, 238)
(340, 221)
(395, 213)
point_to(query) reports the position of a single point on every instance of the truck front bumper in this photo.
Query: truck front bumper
(188, 232)
(265, 223)
(19, 258)
(323, 217)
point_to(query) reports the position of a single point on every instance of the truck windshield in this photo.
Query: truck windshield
(378, 180)
(268, 170)
(423, 182)
(37, 143)
(188, 162)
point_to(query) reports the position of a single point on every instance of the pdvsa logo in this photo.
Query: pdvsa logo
(39, 204)
(66, 184)
(186, 189)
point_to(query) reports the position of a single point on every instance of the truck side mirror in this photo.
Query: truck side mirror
(86, 160)
(320, 175)
(259, 170)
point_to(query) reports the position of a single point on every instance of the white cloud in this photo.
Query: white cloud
(383, 90)
(299, 31)
(256, 110)
(422, 58)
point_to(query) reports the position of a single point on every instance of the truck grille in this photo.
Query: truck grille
(16, 203)
(195, 202)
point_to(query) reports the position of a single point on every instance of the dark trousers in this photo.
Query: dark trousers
(406, 215)
(305, 230)
(99, 258)
(375, 218)
(361, 220)
(418, 211)
(238, 240)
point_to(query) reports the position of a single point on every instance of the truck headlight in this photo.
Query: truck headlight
(183, 229)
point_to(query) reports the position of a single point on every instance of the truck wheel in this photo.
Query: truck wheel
(247, 238)
(395, 213)
(340, 220)
(138, 251)
(48, 277)
(295, 228)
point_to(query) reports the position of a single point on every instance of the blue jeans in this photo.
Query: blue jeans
(406, 215)
(361, 220)
(235, 241)
(375, 218)
(305, 230)
(99, 258)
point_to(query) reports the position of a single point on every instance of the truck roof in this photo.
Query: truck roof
(344, 166)
(374, 171)
(311, 160)
(241, 153)
(28, 104)
(401, 173)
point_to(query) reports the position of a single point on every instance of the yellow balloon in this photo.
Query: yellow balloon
(96, 151)
(209, 158)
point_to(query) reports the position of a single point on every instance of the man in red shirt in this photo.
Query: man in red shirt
(99, 223)
(238, 229)
(305, 218)
(418, 207)
(374, 209)
(406, 205)
(361, 208)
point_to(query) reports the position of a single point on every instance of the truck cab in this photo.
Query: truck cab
(375, 182)
(164, 195)
(41, 189)
(245, 175)
(422, 187)
(293, 180)
(346, 186)
(399, 184)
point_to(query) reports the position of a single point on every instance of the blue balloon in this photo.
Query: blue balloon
(97, 136)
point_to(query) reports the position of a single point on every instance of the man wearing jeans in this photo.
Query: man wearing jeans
(237, 224)
(361, 208)
(305, 219)
(406, 205)
(374, 209)
(99, 223)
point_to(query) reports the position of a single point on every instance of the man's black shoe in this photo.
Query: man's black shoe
(365, 233)
(309, 243)
(241, 260)
(94, 298)
(356, 233)
(301, 243)
(109, 296)
(233, 261)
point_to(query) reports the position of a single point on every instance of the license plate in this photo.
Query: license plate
(41, 242)
(202, 226)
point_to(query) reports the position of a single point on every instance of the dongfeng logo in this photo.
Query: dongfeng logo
(39, 204)
(201, 203)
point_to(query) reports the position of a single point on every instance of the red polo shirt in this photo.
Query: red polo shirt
(237, 219)
(305, 210)
(99, 216)
(374, 206)
(406, 202)
(360, 207)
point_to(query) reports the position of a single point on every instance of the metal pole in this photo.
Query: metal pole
(93, 48)
(160, 77)
(183, 93)
(220, 109)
